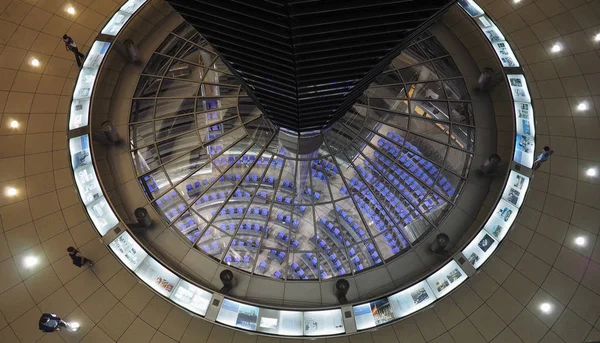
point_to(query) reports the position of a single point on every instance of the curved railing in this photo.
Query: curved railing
(345, 319)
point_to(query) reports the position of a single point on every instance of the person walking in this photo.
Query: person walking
(50, 322)
(543, 157)
(78, 259)
(71, 46)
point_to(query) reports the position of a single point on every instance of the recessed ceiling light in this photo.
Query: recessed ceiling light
(545, 307)
(582, 106)
(35, 62)
(556, 47)
(597, 37)
(11, 192)
(14, 124)
(70, 10)
(30, 261)
(516, 1)
(591, 172)
(580, 241)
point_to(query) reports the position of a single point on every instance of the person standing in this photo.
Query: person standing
(71, 46)
(543, 157)
(78, 259)
(50, 322)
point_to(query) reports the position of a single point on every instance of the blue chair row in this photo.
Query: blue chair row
(299, 271)
(262, 267)
(211, 136)
(190, 223)
(216, 127)
(240, 210)
(288, 201)
(237, 259)
(278, 256)
(283, 239)
(326, 165)
(286, 219)
(149, 181)
(171, 195)
(315, 194)
(214, 248)
(331, 227)
(214, 149)
(318, 175)
(249, 243)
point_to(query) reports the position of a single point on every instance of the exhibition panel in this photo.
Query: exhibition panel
(383, 177)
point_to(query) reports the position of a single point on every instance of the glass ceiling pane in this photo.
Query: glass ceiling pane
(385, 175)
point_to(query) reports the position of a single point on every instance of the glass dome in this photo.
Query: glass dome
(300, 207)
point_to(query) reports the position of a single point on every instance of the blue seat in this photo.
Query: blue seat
(277, 274)
(246, 259)
(228, 259)
(323, 275)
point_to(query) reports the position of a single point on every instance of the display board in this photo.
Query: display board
(157, 276)
(284, 323)
(191, 297)
(514, 191)
(239, 315)
(411, 299)
(372, 314)
(480, 249)
(80, 104)
(492, 33)
(118, 20)
(88, 185)
(446, 279)
(128, 250)
(323, 323)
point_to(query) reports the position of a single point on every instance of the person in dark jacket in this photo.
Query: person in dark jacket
(78, 259)
(71, 46)
(50, 322)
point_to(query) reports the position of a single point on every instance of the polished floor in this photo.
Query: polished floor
(540, 263)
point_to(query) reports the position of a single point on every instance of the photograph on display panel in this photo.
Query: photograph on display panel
(480, 249)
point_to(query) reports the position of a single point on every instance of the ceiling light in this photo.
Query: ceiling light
(35, 62)
(30, 261)
(74, 326)
(11, 192)
(70, 10)
(545, 307)
(556, 47)
(582, 106)
(517, 1)
(597, 37)
(591, 172)
(580, 241)
(14, 124)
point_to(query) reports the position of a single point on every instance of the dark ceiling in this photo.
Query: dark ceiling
(306, 61)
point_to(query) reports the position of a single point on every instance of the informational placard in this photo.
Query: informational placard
(87, 183)
(128, 250)
(524, 119)
(118, 20)
(191, 297)
(518, 88)
(471, 7)
(505, 53)
(239, 315)
(79, 148)
(80, 104)
(524, 150)
(446, 279)
(501, 220)
(157, 276)
(322, 323)
(372, 314)
(283, 323)
(411, 299)
(514, 191)
(102, 215)
(480, 249)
